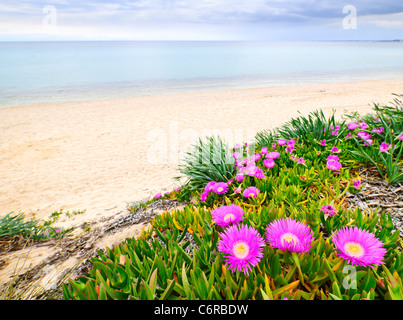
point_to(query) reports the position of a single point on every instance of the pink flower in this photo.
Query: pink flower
(300, 161)
(239, 177)
(384, 147)
(293, 158)
(273, 155)
(329, 210)
(158, 195)
(363, 125)
(237, 146)
(269, 163)
(333, 157)
(209, 186)
(352, 126)
(289, 234)
(204, 196)
(228, 214)
(400, 137)
(357, 184)
(334, 150)
(242, 247)
(291, 142)
(290, 149)
(378, 130)
(366, 137)
(255, 157)
(359, 247)
(220, 188)
(333, 165)
(273, 146)
(349, 136)
(237, 190)
(281, 142)
(264, 150)
(236, 155)
(253, 171)
(323, 142)
(251, 192)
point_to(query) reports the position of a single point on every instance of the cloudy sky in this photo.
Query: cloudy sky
(257, 20)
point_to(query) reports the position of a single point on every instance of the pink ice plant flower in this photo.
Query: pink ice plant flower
(239, 177)
(158, 195)
(363, 125)
(289, 234)
(300, 161)
(251, 192)
(236, 155)
(329, 210)
(335, 149)
(366, 137)
(209, 186)
(333, 157)
(400, 137)
(378, 130)
(204, 196)
(269, 163)
(253, 171)
(226, 215)
(333, 165)
(384, 147)
(359, 247)
(281, 142)
(357, 184)
(352, 126)
(322, 142)
(220, 188)
(264, 150)
(290, 149)
(273, 155)
(242, 247)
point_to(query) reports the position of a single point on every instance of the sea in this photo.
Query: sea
(37, 72)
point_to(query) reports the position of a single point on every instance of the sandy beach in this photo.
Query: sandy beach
(101, 155)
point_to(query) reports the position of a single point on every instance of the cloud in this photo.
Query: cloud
(145, 19)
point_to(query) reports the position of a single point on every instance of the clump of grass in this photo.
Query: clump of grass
(16, 225)
(209, 160)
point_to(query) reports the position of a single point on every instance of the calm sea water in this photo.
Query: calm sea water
(32, 72)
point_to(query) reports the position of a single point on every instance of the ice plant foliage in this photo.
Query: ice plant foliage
(359, 247)
(242, 247)
(289, 234)
(226, 215)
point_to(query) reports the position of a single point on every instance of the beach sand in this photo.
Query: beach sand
(102, 155)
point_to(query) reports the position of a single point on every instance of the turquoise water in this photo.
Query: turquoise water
(32, 72)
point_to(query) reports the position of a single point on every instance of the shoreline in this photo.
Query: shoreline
(100, 155)
(218, 87)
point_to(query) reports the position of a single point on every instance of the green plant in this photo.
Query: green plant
(209, 160)
(315, 126)
(389, 164)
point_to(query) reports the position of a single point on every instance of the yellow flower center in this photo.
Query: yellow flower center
(289, 237)
(219, 189)
(229, 217)
(354, 249)
(241, 249)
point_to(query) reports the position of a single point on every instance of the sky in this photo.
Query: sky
(232, 20)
